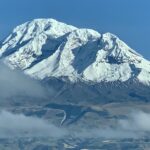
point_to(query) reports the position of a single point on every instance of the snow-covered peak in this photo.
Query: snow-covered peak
(116, 51)
(39, 30)
(45, 48)
(48, 26)
(84, 34)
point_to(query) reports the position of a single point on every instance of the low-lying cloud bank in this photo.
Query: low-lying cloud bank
(18, 125)
(137, 125)
(137, 121)
(15, 83)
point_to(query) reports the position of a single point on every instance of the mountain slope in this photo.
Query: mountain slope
(46, 48)
(90, 81)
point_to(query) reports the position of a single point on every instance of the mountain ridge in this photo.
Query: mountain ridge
(46, 48)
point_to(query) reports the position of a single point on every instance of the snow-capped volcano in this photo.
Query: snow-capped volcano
(45, 48)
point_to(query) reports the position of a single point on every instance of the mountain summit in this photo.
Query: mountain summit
(46, 48)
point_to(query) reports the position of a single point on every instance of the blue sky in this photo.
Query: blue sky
(128, 19)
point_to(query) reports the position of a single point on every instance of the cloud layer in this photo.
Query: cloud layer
(18, 125)
(137, 125)
(137, 121)
(15, 83)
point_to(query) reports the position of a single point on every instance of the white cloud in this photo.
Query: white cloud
(15, 83)
(18, 125)
(137, 121)
(136, 125)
